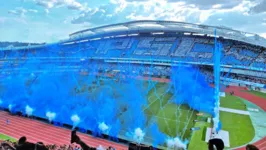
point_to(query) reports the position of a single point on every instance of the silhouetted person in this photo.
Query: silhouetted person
(76, 139)
(6, 146)
(251, 147)
(216, 144)
(24, 145)
(22, 140)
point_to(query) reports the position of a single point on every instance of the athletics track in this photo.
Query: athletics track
(37, 131)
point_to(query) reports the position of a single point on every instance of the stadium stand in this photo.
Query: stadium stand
(186, 49)
(143, 54)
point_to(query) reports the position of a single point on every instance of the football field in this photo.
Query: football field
(173, 120)
(177, 120)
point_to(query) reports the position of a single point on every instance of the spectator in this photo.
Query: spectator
(216, 144)
(24, 145)
(76, 139)
(251, 147)
(22, 140)
(7, 146)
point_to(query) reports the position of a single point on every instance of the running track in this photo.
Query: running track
(36, 131)
(242, 92)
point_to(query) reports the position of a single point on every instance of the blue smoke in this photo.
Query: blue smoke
(191, 88)
(112, 106)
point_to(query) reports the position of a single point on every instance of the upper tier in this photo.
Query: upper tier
(166, 49)
(146, 26)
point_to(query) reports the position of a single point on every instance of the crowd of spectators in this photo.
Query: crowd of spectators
(8, 145)
(194, 49)
(23, 144)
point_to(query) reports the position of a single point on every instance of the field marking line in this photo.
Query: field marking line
(166, 118)
(188, 123)
(236, 111)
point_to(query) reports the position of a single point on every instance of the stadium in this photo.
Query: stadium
(148, 83)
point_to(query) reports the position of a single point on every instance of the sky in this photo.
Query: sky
(53, 20)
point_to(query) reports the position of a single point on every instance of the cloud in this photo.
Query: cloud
(12, 12)
(70, 4)
(121, 11)
(33, 10)
(227, 13)
(46, 11)
(45, 4)
(217, 4)
(245, 15)
(263, 35)
(259, 7)
(203, 4)
(21, 11)
(100, 15)
(238, 20)
(122, 4)
(193, 11)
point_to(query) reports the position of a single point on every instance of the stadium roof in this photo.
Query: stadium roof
(134, 27)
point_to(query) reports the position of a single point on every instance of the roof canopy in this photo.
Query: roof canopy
(169, 26)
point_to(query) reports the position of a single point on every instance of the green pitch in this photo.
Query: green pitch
(173, 120)
(197, 141)
(240, 128)
(4, 137)
(232, 102)
(177, 120)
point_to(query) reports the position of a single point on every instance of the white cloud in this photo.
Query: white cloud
(70, 4)
(260, 7)
(33, 10)
(234, 14)
(231, 13)
(203, 4)
(263, 35)
(121, 11)
(46, 11)
(103, 14)
(12, 12)
(44, 3)
(216, 6)
(122, 4)
(21, 11)
(204, 15)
